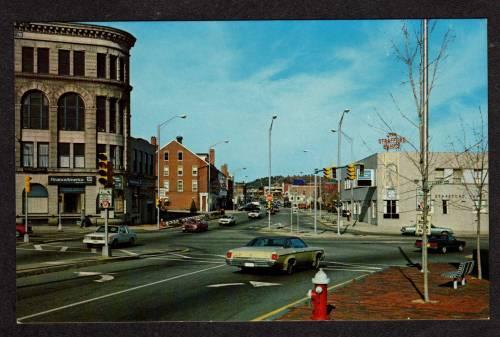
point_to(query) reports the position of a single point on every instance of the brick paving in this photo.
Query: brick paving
(396, 294)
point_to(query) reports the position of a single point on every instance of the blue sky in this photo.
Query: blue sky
(230, 77)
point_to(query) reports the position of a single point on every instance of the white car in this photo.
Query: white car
(255, 214)
(411, 230)
(116, 235)
(227, 220)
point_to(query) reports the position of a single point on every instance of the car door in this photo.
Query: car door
(301, 253)
(122, 234)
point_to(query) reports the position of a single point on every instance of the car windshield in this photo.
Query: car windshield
(111, 229)
(267, 242)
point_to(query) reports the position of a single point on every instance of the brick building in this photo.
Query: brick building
(72, 101)
(184, 178)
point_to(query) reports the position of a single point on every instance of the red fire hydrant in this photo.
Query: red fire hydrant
(319, 296)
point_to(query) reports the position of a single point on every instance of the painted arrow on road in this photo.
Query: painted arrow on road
(104, 277)
(256, 284)
(225, 285)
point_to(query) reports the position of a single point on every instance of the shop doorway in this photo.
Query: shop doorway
(73, 199)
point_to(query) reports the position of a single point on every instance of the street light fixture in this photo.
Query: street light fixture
(339, 177)
(182, 116)
(270, 193)
(210, 169)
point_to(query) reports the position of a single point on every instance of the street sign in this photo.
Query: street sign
(105, 197)
(269, 197)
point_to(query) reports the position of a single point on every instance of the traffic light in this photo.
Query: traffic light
(27, 184)
(327, 172)
(361, 170)
(351, 172)
(103, 169)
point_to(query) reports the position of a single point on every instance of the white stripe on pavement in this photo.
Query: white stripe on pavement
(63, 249)
(38, 247)
(117, 293)
(166, 258)
(360, 270)
(128, 252)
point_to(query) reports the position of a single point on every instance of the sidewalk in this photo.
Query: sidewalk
(396, 294)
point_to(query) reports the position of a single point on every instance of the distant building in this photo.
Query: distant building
(184, 178)
(304, 194)
(389, 194)
(72, 102)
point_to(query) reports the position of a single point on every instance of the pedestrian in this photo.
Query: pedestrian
(348, 213)
(82, 218)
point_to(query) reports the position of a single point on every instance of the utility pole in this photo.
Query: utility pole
(315, 198)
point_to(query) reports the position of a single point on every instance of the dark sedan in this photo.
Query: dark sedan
(442, 243)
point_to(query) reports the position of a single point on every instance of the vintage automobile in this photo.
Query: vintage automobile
(117, 235)
(195, 225)
(21, 230)
(255, 214)
(285, 253)
(442, 243)
(411, 230)
(227, 220)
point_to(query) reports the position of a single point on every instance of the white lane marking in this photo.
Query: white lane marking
(63, 249)
(55, 262)
(117, 293)
(224, 285)
(348, 265)
(105, 278)
(179, 255)
(367, 264)
(177, 259)
(257, 284)
(128, 252)
(38, 247)
(87, 273)
(360, 270)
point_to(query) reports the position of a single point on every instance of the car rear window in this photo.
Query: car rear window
(267, 242)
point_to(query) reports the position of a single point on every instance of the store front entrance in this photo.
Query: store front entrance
(73, 199)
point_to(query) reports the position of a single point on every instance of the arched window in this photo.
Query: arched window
(70, 112)
(38, 200)
(35, 110)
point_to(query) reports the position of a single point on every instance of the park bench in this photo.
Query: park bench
(463, 270)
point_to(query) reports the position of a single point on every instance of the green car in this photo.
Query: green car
(285, 253)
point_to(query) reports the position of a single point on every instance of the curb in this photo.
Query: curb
(86, 263)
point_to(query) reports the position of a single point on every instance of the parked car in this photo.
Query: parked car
(442, 243)
(195, 225)
(272, 210)
(410, 230)
(117, 235)
(249, 207)
(255, 214)
(284, 253)
(21, 230)
(227, 220)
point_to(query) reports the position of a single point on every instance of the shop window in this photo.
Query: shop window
(27, 154)
(166, 171)
(38, 199)
(101, 65)
(42, 60)
(79, 155)
(195, 170)
(63, 62)
(71, 112)
(180, 186)
(112, 115)
(101, 113)
(180, 171)
(63, 154)
(391, 209)
(35, 110)
(112, 67)
(27, 60)
(79, 63)
(195, 185)
(43, 155)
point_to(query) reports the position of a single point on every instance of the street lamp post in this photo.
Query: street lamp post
(351, 141)
(234, 185)
(210, 169)
(315, 197)
(183, 116)
(339, 177)
(270, 193)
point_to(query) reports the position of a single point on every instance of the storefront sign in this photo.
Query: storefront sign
(118, 182)
(71, 180)
(392, 141)
(139, 182)
(449, 196)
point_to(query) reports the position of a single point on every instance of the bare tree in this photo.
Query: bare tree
(473, 159)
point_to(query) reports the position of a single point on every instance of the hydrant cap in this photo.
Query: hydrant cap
(320, 278)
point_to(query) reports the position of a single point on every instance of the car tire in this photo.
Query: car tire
(114, 244)
(290, 267)
(317, 262)
(444, 250)
(444, 233)
(131, 242)
(460, 248)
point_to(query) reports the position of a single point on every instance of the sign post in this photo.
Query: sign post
(105, 201)
(59, 224)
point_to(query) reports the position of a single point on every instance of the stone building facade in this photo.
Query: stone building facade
(389, 195)
(72, 102)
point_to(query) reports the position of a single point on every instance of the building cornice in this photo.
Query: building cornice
(79, 30)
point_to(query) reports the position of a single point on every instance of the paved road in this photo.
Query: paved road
(193, 283)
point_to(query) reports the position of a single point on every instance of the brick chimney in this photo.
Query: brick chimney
(224, 170)
(179, 139)
(212, 156)
(153, 140)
